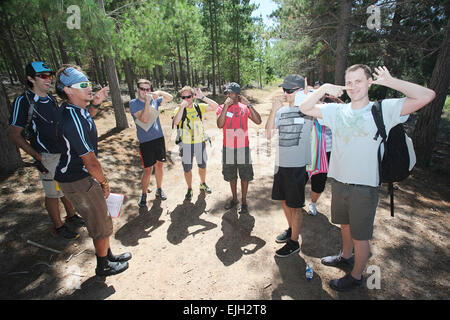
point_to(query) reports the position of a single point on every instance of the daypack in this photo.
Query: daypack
(399, 157)
(183, 118)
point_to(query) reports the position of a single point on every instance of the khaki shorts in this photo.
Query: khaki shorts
(88, 199)
(354, 205)
(50, 161)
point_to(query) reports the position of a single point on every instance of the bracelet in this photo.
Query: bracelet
(104, 182)
(95, 106)
(250, 105)
(203, 98)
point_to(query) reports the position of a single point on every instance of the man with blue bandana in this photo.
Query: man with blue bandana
(36, 112)
(79, 172)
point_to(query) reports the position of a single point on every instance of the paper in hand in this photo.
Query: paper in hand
(114, 203)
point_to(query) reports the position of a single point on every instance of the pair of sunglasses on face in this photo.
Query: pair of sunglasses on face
(145, 89)
(45, 76)
(82, 85)
(186, 97)
(290, 91)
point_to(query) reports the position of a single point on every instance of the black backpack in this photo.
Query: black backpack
(398, 158)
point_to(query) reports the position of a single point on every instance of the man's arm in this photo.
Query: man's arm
(416, 96)
(99, 97)
(212, 105)
(144, 114)
(167, 97)
(311, 106)
(254, 115)
(179, 115)
(223, 115)
(94, 168)
(270, 124)
(15, 134)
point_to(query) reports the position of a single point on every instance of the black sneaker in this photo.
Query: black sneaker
(282, 238)
(346, 283)
(289, 248)
(65, 232)
(142, 201)
(160, 194)
(189, 194)
(110, 268)
(338, 261)
(119, 257)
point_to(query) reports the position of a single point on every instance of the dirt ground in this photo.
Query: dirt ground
(198, 250)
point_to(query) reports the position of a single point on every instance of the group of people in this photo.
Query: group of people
(317, 136)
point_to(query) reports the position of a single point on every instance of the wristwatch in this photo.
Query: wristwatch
(95, 106)
(250, 105)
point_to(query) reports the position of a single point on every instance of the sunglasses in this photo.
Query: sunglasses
(82, 85)
(290, 91)
(186, 97)
(145, 89)
(45, 76)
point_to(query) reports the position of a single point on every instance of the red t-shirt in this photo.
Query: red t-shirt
(235, 130)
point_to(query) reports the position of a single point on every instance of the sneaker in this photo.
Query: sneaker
(160, 194)
(338, 261)
(142, 201)
(189, 194)
(204, 187)
(312, 209)
(244, 209)
(289, 248)
(76, 220)
(282, 238)
(346, 283)
(119, 257)
(65, 232)
(109, 268)
(231, 204)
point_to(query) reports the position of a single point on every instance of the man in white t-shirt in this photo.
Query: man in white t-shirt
(354, 164)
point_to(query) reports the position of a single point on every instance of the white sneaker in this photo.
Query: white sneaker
(312, 209)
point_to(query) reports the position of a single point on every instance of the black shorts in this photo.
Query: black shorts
(152, 151)
(289, 185)
(318, 180)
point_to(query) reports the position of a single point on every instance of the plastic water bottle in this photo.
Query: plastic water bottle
(309, 271)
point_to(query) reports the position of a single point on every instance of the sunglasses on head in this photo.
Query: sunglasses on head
(186, 97)
(82, 85)
(289, 91)
(45, 76)
(145, 89)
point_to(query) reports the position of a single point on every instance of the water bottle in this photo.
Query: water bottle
(309, 271)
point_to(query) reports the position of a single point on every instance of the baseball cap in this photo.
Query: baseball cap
(293, 81)
(233, 87)
(34, 67)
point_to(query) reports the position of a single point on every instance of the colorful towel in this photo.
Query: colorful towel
(319, 161)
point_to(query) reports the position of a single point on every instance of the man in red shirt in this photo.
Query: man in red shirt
(233, 117)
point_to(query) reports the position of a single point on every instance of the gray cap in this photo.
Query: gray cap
(293, 81)
(233, 87)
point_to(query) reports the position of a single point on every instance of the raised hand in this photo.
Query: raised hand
(228, 102)
(382, 76)
(198, 94)
(277, 102)
(244, 100)
(333, 90)
(100, 96)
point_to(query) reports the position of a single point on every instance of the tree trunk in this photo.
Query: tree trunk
(211, 22)
(9, 157)
(129, 77)
(30, 40)
(427, 125)
(186, 48)
(62, 49)
(180, 63)
(343, 34)
(50, 44)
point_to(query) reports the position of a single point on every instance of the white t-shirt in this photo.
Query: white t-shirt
(354, 156)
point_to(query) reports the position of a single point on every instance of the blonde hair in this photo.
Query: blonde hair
(187, 88)
(144, 81)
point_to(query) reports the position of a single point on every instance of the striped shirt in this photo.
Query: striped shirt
(78, 135)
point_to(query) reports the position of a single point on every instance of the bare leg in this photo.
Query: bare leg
(159, 173)
(70, 211)
(362, 251)
(101, 247)
(244, 189)
(188, 178)
(202, 174)
(347, 242)
(233, 186)
(52, 206)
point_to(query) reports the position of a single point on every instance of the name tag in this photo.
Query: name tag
(229, 114)
(299, 121)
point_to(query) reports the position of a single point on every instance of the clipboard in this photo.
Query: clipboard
(147, 125)
(114, 203)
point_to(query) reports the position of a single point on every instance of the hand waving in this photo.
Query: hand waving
(382, 76)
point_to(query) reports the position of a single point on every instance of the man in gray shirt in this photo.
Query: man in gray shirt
(293, 154)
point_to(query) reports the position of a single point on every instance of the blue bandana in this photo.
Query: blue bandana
(74, 76)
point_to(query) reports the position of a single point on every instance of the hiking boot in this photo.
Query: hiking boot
(231, 204)
(338, 261)
(118, 258)
(160, 194)
(289, 248)
(282, 238)
(76, 221)
(204, 187)
(244, 209)
(189, 194)
(142, 201)
(65, 232)
(346, 283)
(108, 268)
(312, 209)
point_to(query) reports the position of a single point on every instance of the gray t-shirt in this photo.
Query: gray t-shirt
(294, 138)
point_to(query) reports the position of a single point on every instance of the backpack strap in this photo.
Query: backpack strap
(377, 113)
(31, 104)
(199, 111)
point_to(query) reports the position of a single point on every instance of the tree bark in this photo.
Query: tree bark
(62, 49)
(50, 43)
(186, 48)
(427, 126)
(343, 34)
(10, 156)
(129, 77)
(180, 63)
(211, 22)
